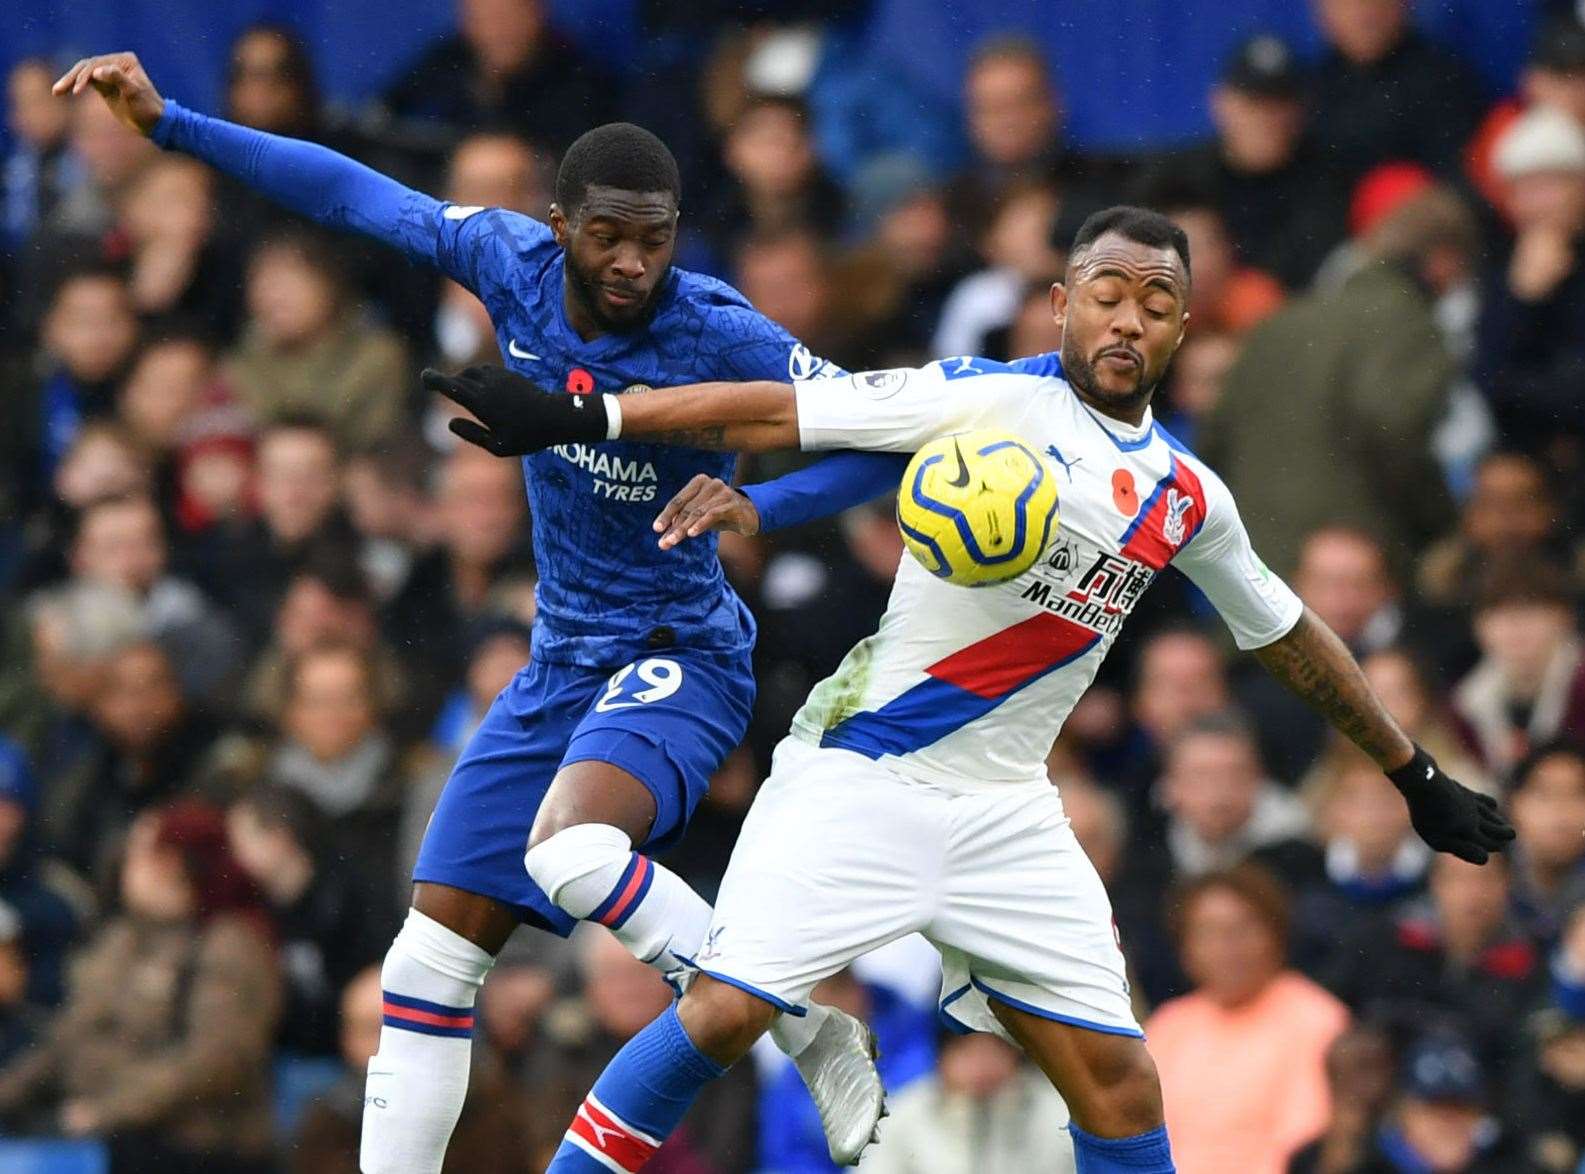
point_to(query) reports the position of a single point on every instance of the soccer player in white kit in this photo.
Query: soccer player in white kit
(911, 794)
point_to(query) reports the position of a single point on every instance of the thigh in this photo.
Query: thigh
(668, 722)
(1025, 919)
(479, 829)
(836, 858)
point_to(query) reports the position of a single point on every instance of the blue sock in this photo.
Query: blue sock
(1146, 1153)
(638, 1100)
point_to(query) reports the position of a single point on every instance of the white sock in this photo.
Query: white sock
(591, 871)
(418, 1079)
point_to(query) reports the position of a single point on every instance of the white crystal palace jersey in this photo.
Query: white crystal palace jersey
(963, 686)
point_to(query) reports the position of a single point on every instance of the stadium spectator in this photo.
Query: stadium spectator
(1553, 76)
(1373, 859)
(111, 156)
(1262, 171)
(490, 1133)
(1358, 403)
(326, 601)
(67, 635)
(245, 563)
(163, 1044)
(1512, 512)
(580, 1035)
(308, 349)
(1015, 245)
(330, 923)
(505, 67)
(175, 267)
(1545, 1105)
(1548, 859)
(1222, 808)
(775, 180)
(1195, 383)
(1458, 957)
(1530, 358)
(1401, 681)
(40, 910)
(1382, 92)
(480, 529)
(1220, 811)
(1440, 1119)
(1343, 576)
(983, 1108)
(1268, 1027)
(387, 501)
(21, 1021)
(334, 749)
(493, 169)
(1179, 677)
(88, 334)
(121, 543)
(787, 275)
(1359, 1076)
(38, 171)
(171, 378)
(1013, 115)
(1529, 685)
(149, 746)
(270, 82)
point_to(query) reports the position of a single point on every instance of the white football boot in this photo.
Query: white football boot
(839, 1069)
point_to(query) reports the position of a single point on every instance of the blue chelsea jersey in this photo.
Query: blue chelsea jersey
(607, 592)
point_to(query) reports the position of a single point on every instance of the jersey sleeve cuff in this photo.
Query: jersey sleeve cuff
(171, 120)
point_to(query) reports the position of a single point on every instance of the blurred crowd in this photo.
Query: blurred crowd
(255, 597)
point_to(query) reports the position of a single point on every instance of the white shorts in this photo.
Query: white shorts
(839, 856)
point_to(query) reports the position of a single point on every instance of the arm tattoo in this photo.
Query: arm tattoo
(1317, 666)
(713, 437)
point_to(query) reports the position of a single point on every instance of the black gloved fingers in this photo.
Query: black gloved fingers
(460, 389)
(475, 433)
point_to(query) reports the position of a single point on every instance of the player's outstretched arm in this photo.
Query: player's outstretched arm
(1313, 662)
(314, 181)
(517, 416)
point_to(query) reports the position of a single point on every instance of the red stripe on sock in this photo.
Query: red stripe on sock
(412, 1015)
(633, 883)
(610, 1137)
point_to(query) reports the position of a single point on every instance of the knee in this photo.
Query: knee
(1124, 1096)
(722, 1020)
(558, 860)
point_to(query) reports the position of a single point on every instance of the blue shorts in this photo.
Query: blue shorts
(668, 720)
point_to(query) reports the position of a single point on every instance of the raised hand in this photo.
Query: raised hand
(122, 83)
(705, 503)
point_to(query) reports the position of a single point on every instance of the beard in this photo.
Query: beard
(587, 290)
(1080, 374)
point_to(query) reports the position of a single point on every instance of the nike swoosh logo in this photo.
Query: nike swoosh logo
(962, 478)
(517, 352)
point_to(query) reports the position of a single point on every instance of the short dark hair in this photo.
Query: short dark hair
(1140, 225)
(619, 155)
(1560, 747)
(1516, 581)
(278, 807)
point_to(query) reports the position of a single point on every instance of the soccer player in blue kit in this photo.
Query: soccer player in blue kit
(640, 683)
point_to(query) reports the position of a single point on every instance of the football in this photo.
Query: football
(977, 508)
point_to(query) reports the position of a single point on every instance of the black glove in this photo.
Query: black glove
(1448, 815)
(517, 415)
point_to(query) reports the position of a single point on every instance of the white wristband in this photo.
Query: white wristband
(613, 416)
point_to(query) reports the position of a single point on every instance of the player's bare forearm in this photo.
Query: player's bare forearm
(734, 417)
(1313, 662)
